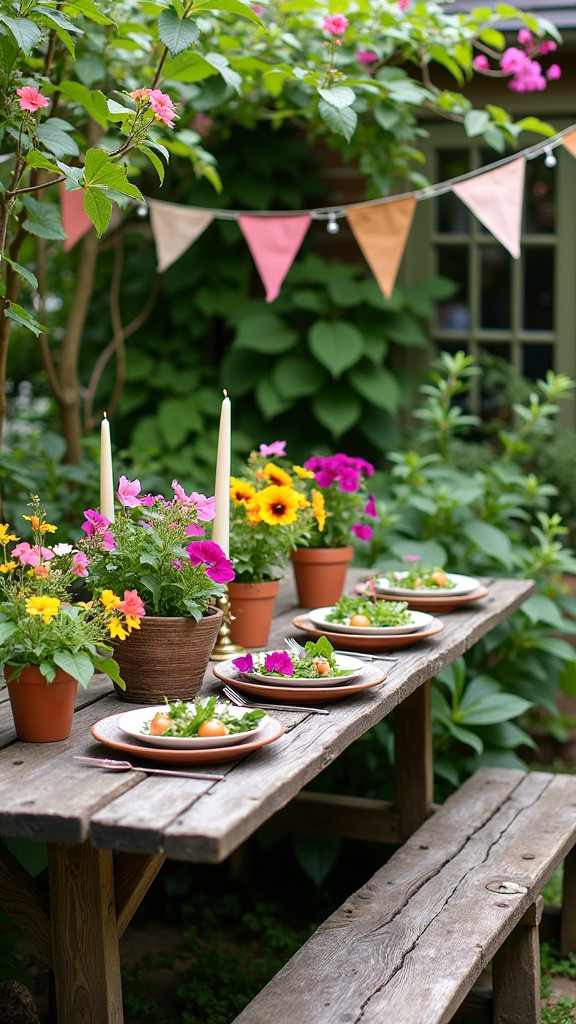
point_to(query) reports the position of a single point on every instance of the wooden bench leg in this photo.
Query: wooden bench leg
(568, 914)
(413, 763)
(84, 934)
(516, 972)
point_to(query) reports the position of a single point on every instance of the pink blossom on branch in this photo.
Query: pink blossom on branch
(554, 73)
(335, 24)
(366, 57)
(31, 99)
(481, 63)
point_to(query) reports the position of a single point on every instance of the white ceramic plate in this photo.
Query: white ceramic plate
(353, 666)
(462, 585)
(132, 723)
(418, 620)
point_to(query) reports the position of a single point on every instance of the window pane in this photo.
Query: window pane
(454, 312)
(540, 215)
(495, 287)
(452, 215)
(539, 288)
(537, 360)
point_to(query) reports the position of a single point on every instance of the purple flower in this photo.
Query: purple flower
(128, 492)
(206, 552)
(370, 507)
(362, 532)
(245, 664)
(349, 480)
(276, 448)
(279, 662)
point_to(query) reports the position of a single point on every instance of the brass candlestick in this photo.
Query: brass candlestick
(224, 649)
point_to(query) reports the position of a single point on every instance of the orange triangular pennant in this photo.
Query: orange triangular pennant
(382, 232)
(569, 142)
(175, 229)
(496, 199)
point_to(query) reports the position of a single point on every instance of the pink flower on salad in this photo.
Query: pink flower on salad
(244, 664)
(279, 662)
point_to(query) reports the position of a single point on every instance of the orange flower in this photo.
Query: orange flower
(275, 475)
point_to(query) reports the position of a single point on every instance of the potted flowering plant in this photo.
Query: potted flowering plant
(159, 545)
(320, 561)
(48, 642)
(270, 516)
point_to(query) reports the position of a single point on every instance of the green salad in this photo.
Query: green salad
(364, 612)
(420, 579)
(200, 718)
(317, 661)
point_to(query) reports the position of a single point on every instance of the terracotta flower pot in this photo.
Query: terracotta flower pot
(42, 711)
(251, 608)
(166, 657)
(320, 574)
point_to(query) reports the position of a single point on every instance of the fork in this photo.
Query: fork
(241, 701)
(110, 765)
(297, 648)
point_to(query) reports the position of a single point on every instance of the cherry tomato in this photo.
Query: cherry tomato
(160, 723)
(360, 620)
(439, 578)
(212, 727)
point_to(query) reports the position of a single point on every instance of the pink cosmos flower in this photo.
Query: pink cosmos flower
(554, 73)
(336, 24)
(128, 492)
(206, 552)
(194, 530)
(132, 604)
(366, 57)
(481, 63)
(279, 661)
(276, 448)
(80, 564)
(370, 507)
(245, 664)
(31, 99)
(362, 532)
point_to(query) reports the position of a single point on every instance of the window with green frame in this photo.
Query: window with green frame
(524, 310)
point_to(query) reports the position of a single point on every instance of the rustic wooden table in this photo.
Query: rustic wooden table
(108, 834)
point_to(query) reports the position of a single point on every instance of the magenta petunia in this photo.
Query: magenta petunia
(349, 480)
(207, 553)
(244, 664)
(362, 532)
(129, 492)
(280, 662)
(370, 507)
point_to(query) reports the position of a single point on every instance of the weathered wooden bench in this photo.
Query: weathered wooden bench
(462, 891)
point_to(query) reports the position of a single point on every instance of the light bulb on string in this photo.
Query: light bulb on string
(549, 159)
(141, 210)
(332, 226)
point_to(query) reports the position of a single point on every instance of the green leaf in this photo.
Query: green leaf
(543, 609)
(297, 377)
(178, 418)
(80, 666)
(337, 409)
(54, 136)
(43, 219)
(22, 271)
(404, 329)
(336, 346)
(497, 707)
(552, 645)
(34, 158)
(89, 9)
(466, 736)
(490, 540)
(6, 631)
(93, 101)
(265, 332)
(268, 400)
(341, 122)
(316, 855)
(25, 32)
(99, 209)
(339, 96)
(101, 172)
(21, 316)
(110, 667)
(476, 122)
(177, 34)
(233, 6)
(376, 385)
(189, 67)
(154, 160)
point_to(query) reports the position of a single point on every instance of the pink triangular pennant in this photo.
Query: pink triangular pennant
(382, 232)
(75, 220)
(496, 199)
(569, 142)
(175, 229)
(274, 242)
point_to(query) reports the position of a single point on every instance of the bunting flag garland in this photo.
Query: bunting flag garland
(382, 232)
(496, 199)
(569, 143)
(175, 229)
(273, 242)
(75, 220)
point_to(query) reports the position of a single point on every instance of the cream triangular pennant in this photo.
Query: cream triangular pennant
(496, 199)
(175, 228)
(569, 142)
(382, 232)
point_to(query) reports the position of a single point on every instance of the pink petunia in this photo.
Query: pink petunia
(194, 530)
(335, 24)
(31, 99)
(370, 507)
(244, 664)
(207, 553)
(32, 555)
(280, 662)
(148, 500)
(362, 532)
(276, 448)
(128, 492)
(97, 526)
(80, 564)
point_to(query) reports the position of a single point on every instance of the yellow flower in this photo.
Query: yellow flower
(241, 491)
(34, 521)
(304, 474)
(319, 509)
(7, 566)
(110, 600)
(253, 510)
(278, 505)
(47, 528)
(117, 629)
(275, 475)
(85, 604)
(133, 622)
(47, 607)
(6, 537)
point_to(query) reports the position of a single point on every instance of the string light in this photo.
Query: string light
(550, 158)
(332, 226)
(141, 210)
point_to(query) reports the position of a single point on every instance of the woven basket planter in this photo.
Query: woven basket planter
(166, 657)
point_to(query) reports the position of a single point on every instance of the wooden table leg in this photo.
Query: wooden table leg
(84, 934)
(414, 773)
